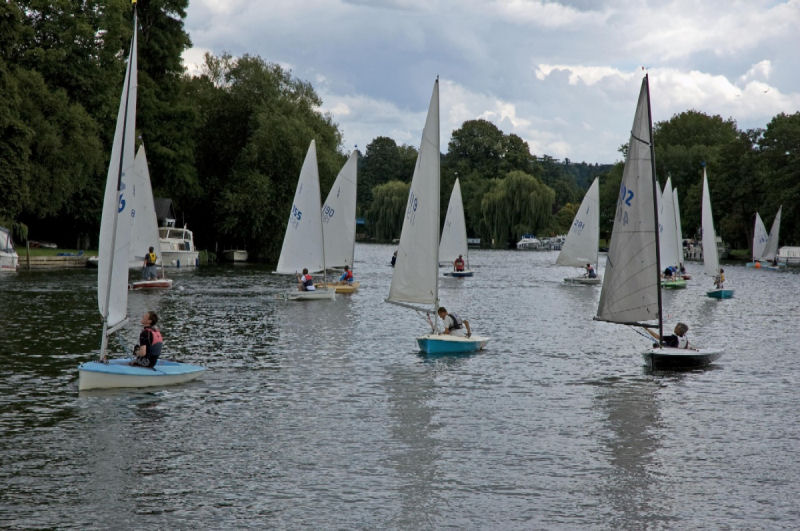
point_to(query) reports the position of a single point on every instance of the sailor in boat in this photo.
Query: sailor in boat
(347, 276)
(150, 272)
(458, 263)
(719, 280)
(394, 258)
(669, 273)
(150, 342)
(453, 324)
(678, 339)
(305, 282)
(590, 272)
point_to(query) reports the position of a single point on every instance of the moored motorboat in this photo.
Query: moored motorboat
(234, 255)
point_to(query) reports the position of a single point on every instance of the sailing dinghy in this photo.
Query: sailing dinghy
(416, 272)
(668, 238)
(339, 222)
(631, 292)
(303, 246)
(583, 239)
(769, 257)
(144, 224)
(112, 271)
(710, 252)
(760, 238)
(679, 232)
(454, 235)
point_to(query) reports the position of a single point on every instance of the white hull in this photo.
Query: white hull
(180, 258)
(235, 255)
(680, 358)
(160, 283)
(8, 261)
(117, 374)
(323, 294)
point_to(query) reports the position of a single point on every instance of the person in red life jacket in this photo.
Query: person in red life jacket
(305, 282)
(150, 342)
(458, 264)
(347, 276)
(453, 324)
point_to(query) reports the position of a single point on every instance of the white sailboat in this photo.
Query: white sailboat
(303, 246)
(760, 238)
(710, 252)
(339, 221)
(453, 243)
(679, 233)
(112, 272)
(631, 291)
(416, 272)
(144, 224)
(668, 237)
(583, 239)
(771, 247)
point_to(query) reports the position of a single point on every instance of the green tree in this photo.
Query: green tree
(780, 172)
(514, 205)
(385, 214)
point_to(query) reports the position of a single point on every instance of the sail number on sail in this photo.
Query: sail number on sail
(625, 196)
(327, 213)
(412, 207)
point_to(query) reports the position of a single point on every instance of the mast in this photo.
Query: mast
(437, 214)
(130, 72)
(655, 208)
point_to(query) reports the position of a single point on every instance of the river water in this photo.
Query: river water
(324, 415)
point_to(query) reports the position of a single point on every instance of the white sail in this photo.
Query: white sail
(771, 247)
(710, 253)
(631, 285)
(115, 225)
(416, 271)
(144, 223)
(668, 240)
(454, 231)
(678, 230)
(583, 238)
(339, 216)
(302, 243)
(760, 238)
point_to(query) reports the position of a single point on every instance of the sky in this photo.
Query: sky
(563, 75)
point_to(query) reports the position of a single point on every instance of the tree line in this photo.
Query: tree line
(227, 144)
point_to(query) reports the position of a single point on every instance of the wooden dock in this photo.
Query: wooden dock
(51, 262)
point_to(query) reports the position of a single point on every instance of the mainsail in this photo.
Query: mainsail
(771, 247)
(144, 223)
(454, 231)
(631, 287)
(710, 253)
(581, 245)
(760, 238)
(302, 244)
(339, 216)
(416, 273)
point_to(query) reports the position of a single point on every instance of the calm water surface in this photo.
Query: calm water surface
(323, 415)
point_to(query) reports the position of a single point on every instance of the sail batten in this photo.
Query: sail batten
(416, 273)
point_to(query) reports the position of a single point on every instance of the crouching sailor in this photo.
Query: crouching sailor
(150, 342)
(453, 324)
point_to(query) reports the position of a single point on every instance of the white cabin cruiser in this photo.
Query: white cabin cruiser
(177, 246)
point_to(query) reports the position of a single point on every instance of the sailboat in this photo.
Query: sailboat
(9, 260)
(581, 245)
(303, 246)
(679, 232)
(771, 247)
(144, 224)
(454, 235)
(339, 221)
(112, 271)
(710, 252)
(415, 278)
(668, 239)
(760, 238)
(631, 292)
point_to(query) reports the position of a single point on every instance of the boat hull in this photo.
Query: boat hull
(720, 293)
(180, 258)
(323, 294)
(673, 284)
(667, 358)
(343, 289)
(234, 255)
(459, 274)
(586, 281)
(118, 373)
(448, 344)
(161, 283)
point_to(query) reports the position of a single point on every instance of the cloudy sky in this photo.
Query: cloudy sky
(563, 75)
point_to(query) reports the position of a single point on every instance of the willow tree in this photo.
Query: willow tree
(385, 214)
(514, 205)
